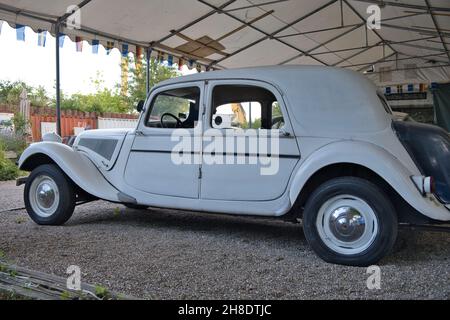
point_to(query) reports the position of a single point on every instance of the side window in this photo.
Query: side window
(177, 108)
(245, 107)
(277, 116)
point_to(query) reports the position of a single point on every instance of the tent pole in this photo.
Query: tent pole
(58, 82)
(148, 55)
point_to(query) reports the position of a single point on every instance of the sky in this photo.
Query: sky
(35, 65)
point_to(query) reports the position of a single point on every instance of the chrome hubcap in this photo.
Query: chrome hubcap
(347, 224)
(44, 196)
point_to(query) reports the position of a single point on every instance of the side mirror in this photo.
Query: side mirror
(140, 106)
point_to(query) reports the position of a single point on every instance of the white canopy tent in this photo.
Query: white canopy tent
(412, 46)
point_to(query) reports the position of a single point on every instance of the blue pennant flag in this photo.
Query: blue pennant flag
(95, 44)
(170, 60)
(125, 50)
(42, 38)
(1, 24)
(20, 31)
(62, 36)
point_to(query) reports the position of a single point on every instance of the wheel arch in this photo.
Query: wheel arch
(406, 213)
(357, 158)
(76, 166)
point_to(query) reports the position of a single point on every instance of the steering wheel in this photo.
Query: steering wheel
(179, 123)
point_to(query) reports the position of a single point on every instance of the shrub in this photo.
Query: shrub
(8, 170)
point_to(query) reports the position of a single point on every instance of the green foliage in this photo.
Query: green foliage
(102, 292)
(8, 170)
(21, 125)
(13, 143)
(10, 93)
(138, 80)
(103, 100)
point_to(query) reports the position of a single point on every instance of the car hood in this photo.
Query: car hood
(101, 146)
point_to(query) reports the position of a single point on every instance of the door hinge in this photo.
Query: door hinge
(200, 174)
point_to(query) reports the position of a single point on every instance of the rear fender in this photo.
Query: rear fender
(375, 159)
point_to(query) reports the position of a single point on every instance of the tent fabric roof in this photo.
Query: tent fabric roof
(415, 34)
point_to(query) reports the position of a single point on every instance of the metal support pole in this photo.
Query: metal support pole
(148, 60)
(58, 83)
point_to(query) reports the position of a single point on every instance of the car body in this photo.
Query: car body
(344, 165)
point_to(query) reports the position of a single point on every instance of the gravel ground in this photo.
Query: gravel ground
(163, 254)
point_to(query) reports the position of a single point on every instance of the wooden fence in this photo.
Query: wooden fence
(70, 119)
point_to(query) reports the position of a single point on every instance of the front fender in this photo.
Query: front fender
(376, 159)
(75, 165)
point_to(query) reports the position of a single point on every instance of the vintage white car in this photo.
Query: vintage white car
(302, 143)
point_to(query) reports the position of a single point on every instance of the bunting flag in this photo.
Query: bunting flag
(160, 57)
(20, 32)
(95, 44)
(62, 36)
(79, 44)
(180, 64)
(199, 67)
(125, 50)
(1, 24)
(170, 60)
(42, 38)
(109, 47)
(191, 64)
(423, 87)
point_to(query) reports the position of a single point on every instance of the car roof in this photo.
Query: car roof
(340, 100)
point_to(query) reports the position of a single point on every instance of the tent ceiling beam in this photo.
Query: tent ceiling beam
(364, 20)
(347, 26)
(269, 35)
(255, 5)
(436, 25)
(382, 4)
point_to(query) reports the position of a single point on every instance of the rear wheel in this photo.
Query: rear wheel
(350, 221)
(49, 196)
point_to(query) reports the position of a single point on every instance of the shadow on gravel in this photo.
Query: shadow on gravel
(258, 229)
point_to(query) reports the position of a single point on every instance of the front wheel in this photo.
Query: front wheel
(49, 196)
(350, 221)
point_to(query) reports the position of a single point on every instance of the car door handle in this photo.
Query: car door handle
(284, 133)
(139, 133)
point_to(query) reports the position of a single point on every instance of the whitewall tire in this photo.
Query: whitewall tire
(350, 221)
(49, 196)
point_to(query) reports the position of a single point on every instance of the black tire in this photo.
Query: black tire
(383, 241)
(67, 196)
(135, 206)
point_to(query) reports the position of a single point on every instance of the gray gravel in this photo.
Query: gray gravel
(163, 254)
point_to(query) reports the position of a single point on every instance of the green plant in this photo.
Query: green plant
(8, 170)
(65, 295)
(102, 292)
(21, 125)
(13, 143)
(21, 220)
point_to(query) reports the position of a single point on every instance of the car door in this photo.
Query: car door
(249, 119)
(152, 165)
